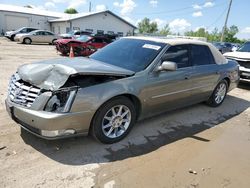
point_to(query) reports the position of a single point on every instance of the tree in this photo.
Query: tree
(214, 36)
(230, 34)
(145, 26)
(165, 30)
(70, 11)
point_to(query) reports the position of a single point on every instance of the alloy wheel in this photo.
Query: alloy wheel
(220, 93)
(116, 121)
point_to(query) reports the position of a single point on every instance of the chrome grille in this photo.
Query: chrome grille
(245, 64)
(21, 92)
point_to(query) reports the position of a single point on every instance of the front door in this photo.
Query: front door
(170, 89)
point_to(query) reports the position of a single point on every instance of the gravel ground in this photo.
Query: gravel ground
(196, 146)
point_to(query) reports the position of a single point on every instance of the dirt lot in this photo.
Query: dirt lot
(196, 146)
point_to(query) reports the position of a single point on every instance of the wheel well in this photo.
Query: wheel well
(27, 38)
(135, 101)
(228, 81)
(131, 97)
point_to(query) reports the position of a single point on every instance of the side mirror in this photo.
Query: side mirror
(167, 66)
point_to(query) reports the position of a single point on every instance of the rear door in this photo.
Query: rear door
(49, 37)
(36, 36)
(205, 73)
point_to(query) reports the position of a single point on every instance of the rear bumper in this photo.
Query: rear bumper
(50, 125)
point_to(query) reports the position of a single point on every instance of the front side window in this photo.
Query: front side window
(23, 30)
(201, 55)
(177, 54)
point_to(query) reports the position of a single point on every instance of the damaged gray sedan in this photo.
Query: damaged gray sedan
(105, 94)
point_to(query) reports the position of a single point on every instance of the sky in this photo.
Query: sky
(181, 15)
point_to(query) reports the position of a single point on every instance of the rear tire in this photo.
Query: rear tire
(114, 120)
(27, 41)
(53, 42)
(219, 94)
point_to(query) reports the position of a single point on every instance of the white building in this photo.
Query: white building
(14, 17)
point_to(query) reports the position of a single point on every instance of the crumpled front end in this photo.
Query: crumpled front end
(41, 95)
(43, 112)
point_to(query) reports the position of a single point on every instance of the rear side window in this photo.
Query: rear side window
(201, 55)
(177, 54)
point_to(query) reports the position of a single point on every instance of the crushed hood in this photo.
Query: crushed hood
(243, 56)
(52, 74)
(65, 41)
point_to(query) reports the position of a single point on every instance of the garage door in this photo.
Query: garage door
(15, 22)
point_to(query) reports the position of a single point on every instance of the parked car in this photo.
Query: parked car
(74, 34)
(242, 56)
(37, 36)
(236, 46)
(130, 79)
(82, 46)
(223, 47)
(11, 34)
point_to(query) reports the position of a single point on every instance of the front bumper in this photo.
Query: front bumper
(63, 48)
(50, 125)
(17, 39)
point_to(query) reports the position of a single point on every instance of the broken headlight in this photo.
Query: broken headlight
(61, 100)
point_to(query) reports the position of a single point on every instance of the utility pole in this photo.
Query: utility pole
(90, 6)
(225, 25)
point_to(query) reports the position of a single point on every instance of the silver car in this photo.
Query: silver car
(105, 94)
(37, 36)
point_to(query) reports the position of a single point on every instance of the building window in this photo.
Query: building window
(67, 29)
(110, 32)
(76, 28)
(89, 30)
(120, 34)
(53, 29)
(100, 32)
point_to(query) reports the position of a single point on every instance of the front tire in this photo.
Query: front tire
(114, 120)
(219, 94)
(12, 38)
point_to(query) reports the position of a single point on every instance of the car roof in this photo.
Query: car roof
(172, 41)
(218, 57)
(41, 30)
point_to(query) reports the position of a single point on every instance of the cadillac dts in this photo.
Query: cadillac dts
(128, 80)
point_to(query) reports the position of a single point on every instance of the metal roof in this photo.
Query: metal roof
(70, 17)
(34, 11)
(61, 16)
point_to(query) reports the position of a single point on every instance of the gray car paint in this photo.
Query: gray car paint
(155, 91)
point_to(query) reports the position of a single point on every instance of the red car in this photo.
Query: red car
(82, 46)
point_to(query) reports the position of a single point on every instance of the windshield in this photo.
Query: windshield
(245, 47)
(84, 38)
(131, 54)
